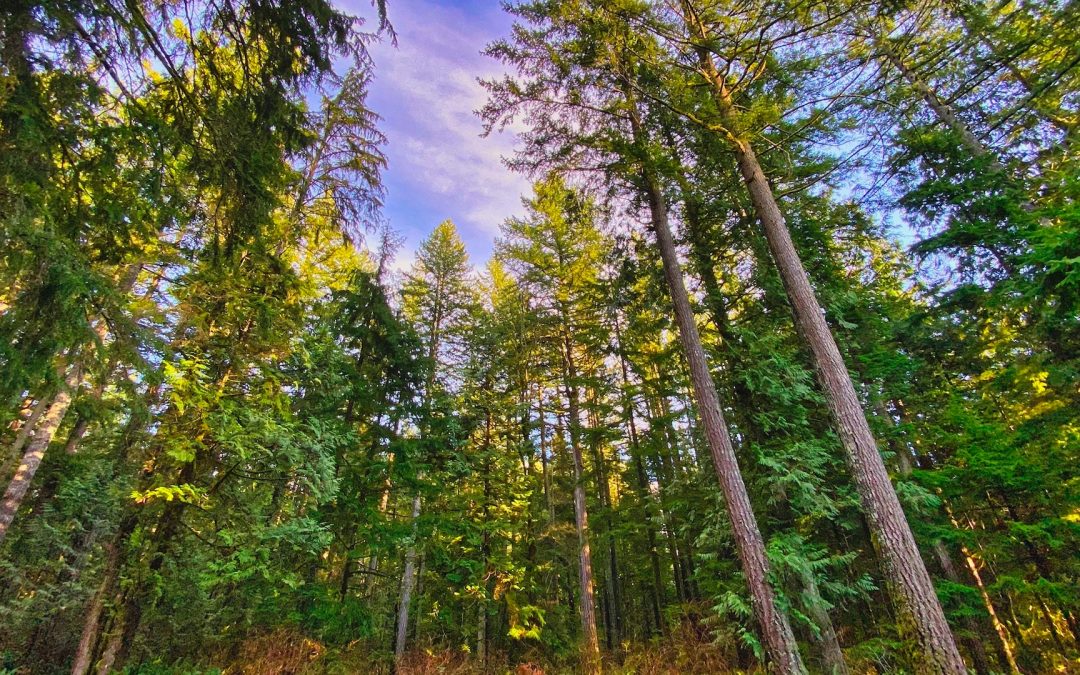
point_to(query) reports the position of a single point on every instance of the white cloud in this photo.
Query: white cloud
(426, 91)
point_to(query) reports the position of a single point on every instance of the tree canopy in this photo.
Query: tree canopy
(776, 370)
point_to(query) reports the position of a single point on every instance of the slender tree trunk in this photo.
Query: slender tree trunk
(776, 630)
(832, 656)
(612, 594)
(590, 643)
(825, 637)
(976, 24)
(485, 545)
(542, 421)
(35, 451)
(92, 622)
(909, 582)
(905, 466)
(408, 582)
(28, 426)
(945, 560)
(418, 615)
(944, 112)
(642, 482)
(481, 635)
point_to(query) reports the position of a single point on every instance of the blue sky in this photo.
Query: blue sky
(426, 91)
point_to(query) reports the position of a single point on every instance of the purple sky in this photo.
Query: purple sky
(426, 91)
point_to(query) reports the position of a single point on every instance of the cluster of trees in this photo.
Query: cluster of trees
(698, 413)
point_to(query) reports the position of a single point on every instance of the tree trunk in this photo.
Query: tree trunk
(642, 481)
(909, 582)
(590, 648)
(942, 110)
(612, 590)
(978, 653)
(832, 656)
(776, 630)
(542, 421)
(27, 428)
(35, 451)
(975, 23)
(92, 622)
(904, 464)
(408, 582)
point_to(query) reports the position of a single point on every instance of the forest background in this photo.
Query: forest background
(774, 367)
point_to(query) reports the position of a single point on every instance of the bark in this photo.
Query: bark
(832, 656)
(93, 620)
(35, 451)
(487, 579)
(944, 112)
(904, 464)
(909, 583)
(408, 582)
(481, 634)
(163, 535)
(590, 644)
(825, 637)
(949, 568)
(642, 482)
(908, 579)
(28, 427)
(776, 630)
(542, 421)
(50, 423)
(612, 590)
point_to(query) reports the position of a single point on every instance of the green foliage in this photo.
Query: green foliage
(185, 189)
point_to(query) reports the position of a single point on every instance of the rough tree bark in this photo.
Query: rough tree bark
(642, 482)
(590, 657)
(28, 426)
(775, 628)
(944, 112)
(831, 655)
(35, 450)
(909, 582)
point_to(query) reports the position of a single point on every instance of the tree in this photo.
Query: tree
(557, 250)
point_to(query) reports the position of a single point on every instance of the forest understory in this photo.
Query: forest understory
(776, 370)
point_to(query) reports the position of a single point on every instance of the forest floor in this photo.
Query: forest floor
(281, 652)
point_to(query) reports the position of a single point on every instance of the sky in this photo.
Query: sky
(426, 91)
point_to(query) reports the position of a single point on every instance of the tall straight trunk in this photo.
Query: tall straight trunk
(909, 582)
(825, 636)
(978, 652)
(975, 22)
(28, 427)
(408, 583)
(612, 591)
(94, 619)
(832, 656)
(542, 422)
(904, 465)
(942, 110)
(664, 472)
(776, 630)
(35, 450)
(590, 643)
(485, 545)
(53, 417)
(642, 481)
(95, 612)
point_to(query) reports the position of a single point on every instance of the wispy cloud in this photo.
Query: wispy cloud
(426, 91)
